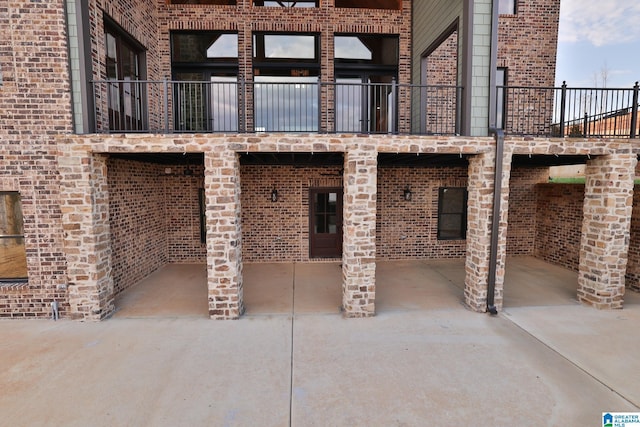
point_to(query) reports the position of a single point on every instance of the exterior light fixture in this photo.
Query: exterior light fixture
(407, 193)
(274, 195)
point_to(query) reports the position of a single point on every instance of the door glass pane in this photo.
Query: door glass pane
(320, 225)
(224, 103)
(348, 105)
(190, 102)
(332, 202)
(286, 104)
(332, 227)
(320, 200)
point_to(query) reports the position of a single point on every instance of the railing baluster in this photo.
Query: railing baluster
(634, 112)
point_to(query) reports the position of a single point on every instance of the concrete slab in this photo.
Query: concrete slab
(175, 290)
(146, 372)
(532, 282)
(399, 368)
(410, 368)
(603, 343)
(419, 285)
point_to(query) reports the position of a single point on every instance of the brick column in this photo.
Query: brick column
(479, 221)
(359, 231)
(84, 204)
(224, 249)
(608, 204)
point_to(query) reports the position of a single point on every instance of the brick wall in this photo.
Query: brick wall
(527, 43)
(559, 223)
(521, 234)
(409, 229)
(34, 106)
(154, 219)
(279, 231)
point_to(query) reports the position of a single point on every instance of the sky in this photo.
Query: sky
(596, 38)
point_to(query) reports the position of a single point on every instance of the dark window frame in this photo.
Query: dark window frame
(462, 214)
(19, 279)
(129, 96)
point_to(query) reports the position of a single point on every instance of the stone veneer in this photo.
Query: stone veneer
(608, 206)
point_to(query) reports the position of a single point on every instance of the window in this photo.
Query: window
(366, 69)
(209, 2)
(124, 67)
(507, 7)
(452, 213)
(13, 258)
(501, 82)
(286, 73)
(368, 4)
(205, 65)
(301, 3)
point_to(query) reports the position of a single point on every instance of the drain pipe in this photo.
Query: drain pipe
(495, 223)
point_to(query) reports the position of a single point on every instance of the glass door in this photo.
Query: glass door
(325, 223)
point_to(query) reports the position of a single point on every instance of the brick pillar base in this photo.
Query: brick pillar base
(479, 219)
(608, 205)
(85, 216)
(359, 231)
(224, 249)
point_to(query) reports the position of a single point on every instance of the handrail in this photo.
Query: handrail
(298, 105)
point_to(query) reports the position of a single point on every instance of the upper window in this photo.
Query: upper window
(303, 3)
(204, 47)
(124, 65)
(13, 258)
(370, 49)
(293, 47)
(452, 213)
(507, 7)
(368, 4)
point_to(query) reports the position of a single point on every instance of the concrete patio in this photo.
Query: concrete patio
(293, 360)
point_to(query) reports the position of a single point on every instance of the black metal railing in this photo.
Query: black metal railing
(309, 106)
(266, 106)
(568, 112)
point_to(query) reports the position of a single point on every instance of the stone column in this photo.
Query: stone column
(84, 202)
(224, 249)
(359, 231)
(608, 205)
(479, 223)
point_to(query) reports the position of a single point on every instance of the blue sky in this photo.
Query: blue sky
(597, 35)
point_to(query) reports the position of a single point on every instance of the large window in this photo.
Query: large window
(206, 66)
(299, 3)
(124, 68)
(209, 2)
(13, 259)
(507, 7)
(366, 68)
(368, 4)
(286, 73)
(452, 213)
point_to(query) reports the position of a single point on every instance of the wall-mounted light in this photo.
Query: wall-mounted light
(407, 193)
(274, 195)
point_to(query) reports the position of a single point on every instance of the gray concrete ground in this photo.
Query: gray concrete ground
(293, 360)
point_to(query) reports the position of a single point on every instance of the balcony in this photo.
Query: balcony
(226, 105)
(568, 112)
(229, 106)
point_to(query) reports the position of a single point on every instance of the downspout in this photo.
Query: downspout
(495, 223)
(497, 180)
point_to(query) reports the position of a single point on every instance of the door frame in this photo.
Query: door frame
(339, 236)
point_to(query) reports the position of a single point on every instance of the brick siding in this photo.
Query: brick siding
(34, 106)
